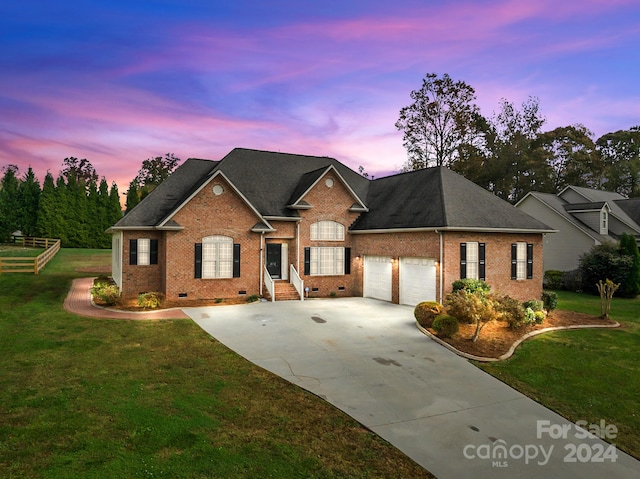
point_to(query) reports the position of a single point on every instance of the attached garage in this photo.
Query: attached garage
(377, 277)
(417, 280)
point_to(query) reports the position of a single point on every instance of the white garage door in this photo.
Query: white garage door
(417, 280)
(377, 277)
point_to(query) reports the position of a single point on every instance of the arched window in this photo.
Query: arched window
(327, 231)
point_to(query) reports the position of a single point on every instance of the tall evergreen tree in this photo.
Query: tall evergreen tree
(9, 203)
(29, 199)
(629, 246)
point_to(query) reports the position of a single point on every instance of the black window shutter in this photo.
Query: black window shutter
(529, 261)
(236, 260)
(153, 253)
(481, 261)
(198, 260)
(347, 261)
(514, 261)
(307, 261)
(463, 260)
(133, 251)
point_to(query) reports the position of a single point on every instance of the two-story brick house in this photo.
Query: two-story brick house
(229, 228)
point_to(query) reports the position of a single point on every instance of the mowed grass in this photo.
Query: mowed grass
(590, 375)
(90, 398)
(12, 251)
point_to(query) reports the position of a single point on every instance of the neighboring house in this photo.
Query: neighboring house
(230, 228)
(583, 218)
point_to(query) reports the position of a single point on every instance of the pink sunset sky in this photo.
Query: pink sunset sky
(118, 82)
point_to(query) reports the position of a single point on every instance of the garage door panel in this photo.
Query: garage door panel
(417, 280)
(377, 277)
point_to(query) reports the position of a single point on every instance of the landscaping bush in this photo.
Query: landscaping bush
(550, 300)
(553, 279)
(150, 300)
(511, 311)
(629, 247)
(602, 262)
(473, 308)
(445, 326)
(476, 286)
(105, 292)
(426, 312)
(534, 304)
(572, 281)
(539, 316)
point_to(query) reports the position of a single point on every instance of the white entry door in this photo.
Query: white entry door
(417, 280)
(377, 277)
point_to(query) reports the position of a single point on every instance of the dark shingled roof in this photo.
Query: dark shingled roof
(170, 194)
(270, 181)
(439, 198)
(631, 207)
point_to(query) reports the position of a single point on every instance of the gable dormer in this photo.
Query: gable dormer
(328, 177)
(594, 215)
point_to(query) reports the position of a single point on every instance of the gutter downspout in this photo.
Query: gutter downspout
(261, 260)
(440, 261)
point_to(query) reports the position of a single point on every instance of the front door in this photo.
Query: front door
(274, 259)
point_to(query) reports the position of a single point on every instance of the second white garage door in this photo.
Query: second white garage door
(377, 277)
(417, 280)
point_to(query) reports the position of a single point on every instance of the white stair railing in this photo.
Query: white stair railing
(271, 287)
(296, 281)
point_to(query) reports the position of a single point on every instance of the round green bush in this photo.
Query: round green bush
(445, 326)
(426, 312)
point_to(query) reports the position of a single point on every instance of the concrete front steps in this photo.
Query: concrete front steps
(285, 291)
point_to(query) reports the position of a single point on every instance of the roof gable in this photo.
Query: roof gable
(311, 179)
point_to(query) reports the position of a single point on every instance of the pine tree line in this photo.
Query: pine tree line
(75, 207)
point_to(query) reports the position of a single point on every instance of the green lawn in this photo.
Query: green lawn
(589, 375)
(82, 397)
(12, 251)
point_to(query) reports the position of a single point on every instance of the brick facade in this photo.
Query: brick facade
(228, 214)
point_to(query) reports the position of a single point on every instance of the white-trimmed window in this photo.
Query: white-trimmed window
(472, 260)
(143, 251)
(521, 261)
(327, 231)
(326, 261)
(604, 223)
(217, 257)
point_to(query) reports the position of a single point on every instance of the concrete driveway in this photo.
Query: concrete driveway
(367, 358)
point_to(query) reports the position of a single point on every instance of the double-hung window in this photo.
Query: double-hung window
(472, 260)
(326, 261)
(143, 251)
(521, 261)
(217, 257)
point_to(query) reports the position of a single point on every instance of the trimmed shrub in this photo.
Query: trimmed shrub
(426, 312)
(534, 304)
(553, 279)
(550, 300)
(445, 326)
(511, 311)
(539, 316)
(151, 300)
(629, 247)
(529, 316)
(107, 294)
(475, 286)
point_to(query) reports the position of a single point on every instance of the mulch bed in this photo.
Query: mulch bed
(496, 338)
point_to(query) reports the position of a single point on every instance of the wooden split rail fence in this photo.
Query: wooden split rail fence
(16, 264)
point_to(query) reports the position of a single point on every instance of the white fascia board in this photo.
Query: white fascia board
(346, 185)
(204, 185)
(455, 228)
